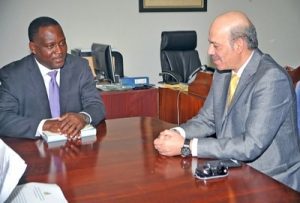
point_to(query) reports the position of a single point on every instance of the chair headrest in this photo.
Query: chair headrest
(178, 40)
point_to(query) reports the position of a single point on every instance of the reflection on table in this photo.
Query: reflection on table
(121, 165)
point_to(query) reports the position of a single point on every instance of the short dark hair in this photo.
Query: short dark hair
(37, 23)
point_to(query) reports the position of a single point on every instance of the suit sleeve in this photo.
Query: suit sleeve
(11, 122)
(204, 120)
(91, 100)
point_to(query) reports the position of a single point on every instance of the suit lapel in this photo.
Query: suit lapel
(220, 86)
(65, 80)
(38, 87)
(223, 97)
(245, 79)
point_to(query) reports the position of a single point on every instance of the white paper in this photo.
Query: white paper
(12, 167)
(37, 193)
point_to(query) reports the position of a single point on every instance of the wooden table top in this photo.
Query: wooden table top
(121, 165)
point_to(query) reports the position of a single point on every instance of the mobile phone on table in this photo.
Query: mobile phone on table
(211, 170)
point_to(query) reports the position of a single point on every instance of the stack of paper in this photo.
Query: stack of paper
(180, 86)
(36, 193)
(12, 167)
(88, 130)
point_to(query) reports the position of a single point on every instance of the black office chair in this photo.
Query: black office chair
(118, 59)
(179, 57)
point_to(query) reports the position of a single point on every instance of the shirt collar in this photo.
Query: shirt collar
(242, 68)
(44, 70)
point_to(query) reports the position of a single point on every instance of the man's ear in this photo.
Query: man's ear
(239, 44)
(32, 47)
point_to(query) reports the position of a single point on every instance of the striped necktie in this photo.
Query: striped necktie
(54, 95)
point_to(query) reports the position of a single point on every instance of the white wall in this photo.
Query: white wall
(137, 35)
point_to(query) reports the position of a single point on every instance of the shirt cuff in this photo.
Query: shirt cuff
(180, 131)
(194, 146)
(85, 113)
(39, 130)
(194, 141)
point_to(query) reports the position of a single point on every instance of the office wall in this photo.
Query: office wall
(137, 35)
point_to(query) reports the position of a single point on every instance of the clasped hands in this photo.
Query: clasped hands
(169, 143)
(68, 124)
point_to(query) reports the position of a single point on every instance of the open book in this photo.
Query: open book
(88, 130)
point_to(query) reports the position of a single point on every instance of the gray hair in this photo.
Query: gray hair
(248, 33)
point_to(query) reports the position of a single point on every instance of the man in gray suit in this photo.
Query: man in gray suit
(258, 125)
(24, 89)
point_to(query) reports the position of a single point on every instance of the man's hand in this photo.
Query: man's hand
(169, 143)
(52, 126)
(71, 124)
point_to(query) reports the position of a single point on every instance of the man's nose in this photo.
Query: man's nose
(210, 50)
(58, 49)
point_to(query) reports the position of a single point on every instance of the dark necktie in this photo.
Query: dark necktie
(54, 95)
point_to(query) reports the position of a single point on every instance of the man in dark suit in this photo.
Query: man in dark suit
(24, 90)
(257, 123)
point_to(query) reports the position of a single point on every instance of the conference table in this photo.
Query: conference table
(120, 164)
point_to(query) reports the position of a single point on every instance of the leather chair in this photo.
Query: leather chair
(178, 55)
(294, 73)
(116, 56)
(118, 60)
(88, 56)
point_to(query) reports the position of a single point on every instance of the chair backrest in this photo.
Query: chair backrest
(118, 62)
(116, 57)
(88, 56)
(294, 73)
(178, 54)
